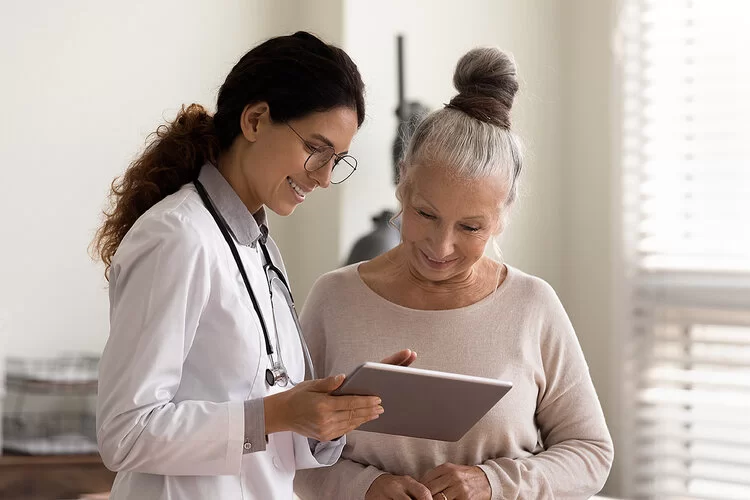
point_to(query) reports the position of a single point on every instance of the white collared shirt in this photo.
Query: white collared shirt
(186, 352)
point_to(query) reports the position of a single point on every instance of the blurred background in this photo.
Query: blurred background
(634, 204)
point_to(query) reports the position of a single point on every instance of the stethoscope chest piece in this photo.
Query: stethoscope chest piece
(277, 375)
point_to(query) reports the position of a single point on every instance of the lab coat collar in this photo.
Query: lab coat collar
(246, 228)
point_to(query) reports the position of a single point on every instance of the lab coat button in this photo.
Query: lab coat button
(247, 446)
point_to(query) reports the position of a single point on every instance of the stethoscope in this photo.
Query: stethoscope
(278, 373)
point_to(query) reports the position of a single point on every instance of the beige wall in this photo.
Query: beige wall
(83, 84)
(588, 190)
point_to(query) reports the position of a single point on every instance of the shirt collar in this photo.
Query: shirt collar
(246, 228)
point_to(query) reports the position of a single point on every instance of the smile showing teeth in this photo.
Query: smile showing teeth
(296, 188)
(436, 261)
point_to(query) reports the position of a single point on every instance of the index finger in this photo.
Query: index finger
(401, 358)
(342, 403)
(434, 473)
(416, 489)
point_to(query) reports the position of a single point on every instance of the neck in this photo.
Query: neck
(230, 167)
(391, 276)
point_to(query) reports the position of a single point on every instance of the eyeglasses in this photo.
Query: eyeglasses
(343, 165)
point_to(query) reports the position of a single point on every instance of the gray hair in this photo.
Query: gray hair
(472, 135)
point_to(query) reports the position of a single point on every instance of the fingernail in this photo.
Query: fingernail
(340, 377)
(380, 410)
(378, 401)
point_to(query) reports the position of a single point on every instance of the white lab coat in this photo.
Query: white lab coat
(185, 351)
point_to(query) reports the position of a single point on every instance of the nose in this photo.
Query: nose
(322, 176)
(442, 241)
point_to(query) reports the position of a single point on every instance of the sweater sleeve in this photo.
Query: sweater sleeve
(577, 448)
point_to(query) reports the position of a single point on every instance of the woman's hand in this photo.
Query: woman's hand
(401, 358)
(390, 487)
(457, 482)
(308, 409)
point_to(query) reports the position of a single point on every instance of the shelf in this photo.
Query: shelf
(27, 477)
(32, 460)
(31, 386)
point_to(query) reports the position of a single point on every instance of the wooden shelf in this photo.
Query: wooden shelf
(50, 477)
(32, 460)
(32, 386)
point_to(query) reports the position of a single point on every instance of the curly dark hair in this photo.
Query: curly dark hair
(296, 75)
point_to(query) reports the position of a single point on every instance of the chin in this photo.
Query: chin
(431, 274)
(283, 210)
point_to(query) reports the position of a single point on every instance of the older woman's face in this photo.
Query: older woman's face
(448, 221)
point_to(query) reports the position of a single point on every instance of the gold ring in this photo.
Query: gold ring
(444, 497)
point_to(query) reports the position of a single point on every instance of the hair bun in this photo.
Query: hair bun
(486, 82)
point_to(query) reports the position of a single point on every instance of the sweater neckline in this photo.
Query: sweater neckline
(481, 303)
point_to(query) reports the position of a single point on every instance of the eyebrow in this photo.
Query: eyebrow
(328, 142)
(480, 218)
(475, 217)
(418, 198)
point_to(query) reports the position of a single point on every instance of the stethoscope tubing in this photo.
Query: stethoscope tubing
(279, 371)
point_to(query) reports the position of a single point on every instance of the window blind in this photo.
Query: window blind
(685, 157)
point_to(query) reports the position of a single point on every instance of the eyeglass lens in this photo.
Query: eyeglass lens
(343, 166)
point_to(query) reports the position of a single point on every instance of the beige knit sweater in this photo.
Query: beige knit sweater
(546, 439)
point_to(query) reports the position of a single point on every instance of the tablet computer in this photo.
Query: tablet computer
(423, 403)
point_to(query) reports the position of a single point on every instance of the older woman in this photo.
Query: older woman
(466, 313)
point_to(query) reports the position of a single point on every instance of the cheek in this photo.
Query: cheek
(279, 161)
(477, 247)
(290, 163)
(471, 246)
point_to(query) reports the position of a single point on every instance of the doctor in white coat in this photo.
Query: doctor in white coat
(201, 391)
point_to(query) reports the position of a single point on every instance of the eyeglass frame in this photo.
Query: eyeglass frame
(338, 156)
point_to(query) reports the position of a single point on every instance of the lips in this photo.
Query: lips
(436, 263)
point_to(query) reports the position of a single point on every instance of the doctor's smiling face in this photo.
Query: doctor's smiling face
(278, 164)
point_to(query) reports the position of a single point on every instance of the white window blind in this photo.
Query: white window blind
(685, 154)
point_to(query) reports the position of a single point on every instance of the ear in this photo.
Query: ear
(253, 118)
